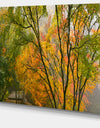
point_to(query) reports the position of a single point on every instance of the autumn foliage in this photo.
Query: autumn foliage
(53, 54)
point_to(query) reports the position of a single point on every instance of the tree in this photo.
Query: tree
(59, 61)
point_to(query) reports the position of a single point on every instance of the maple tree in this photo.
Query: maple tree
(55, 62)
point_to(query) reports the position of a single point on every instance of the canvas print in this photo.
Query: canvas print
(50, 56)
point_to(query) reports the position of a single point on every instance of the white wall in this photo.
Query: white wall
(40, 2)
(20, 116)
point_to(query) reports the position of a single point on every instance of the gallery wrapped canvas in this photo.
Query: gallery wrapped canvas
(50, 56)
